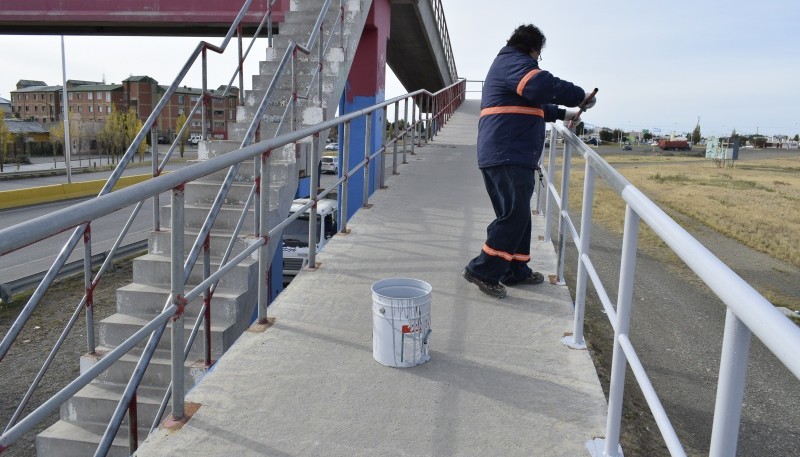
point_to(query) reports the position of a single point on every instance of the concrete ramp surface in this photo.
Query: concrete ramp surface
(499, 381)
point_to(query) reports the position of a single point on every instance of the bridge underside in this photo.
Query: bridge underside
(415, 52)
(131, 17)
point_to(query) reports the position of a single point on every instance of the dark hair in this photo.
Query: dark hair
(527, 38)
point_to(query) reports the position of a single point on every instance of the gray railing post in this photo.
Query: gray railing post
(730, 391)
(405, 128)
(367, 151)
(312, 212)
(395, 136)
(204, 115)
(413, 123)
(563, 213)
(207, 299)
(156, 199)
(177, 286)
(344, 168)
(263, 252)
(548, 202)
(384, 131)
(87, 281)
(241, 67)
(619, 362)
(429, 121)
(577, 341)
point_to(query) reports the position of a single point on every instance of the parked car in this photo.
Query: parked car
(330, 164)
(627, 147)
(163, 140)
(332, 147)
(194, 139)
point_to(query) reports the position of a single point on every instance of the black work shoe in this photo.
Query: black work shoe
(495, 290)
(533, 279)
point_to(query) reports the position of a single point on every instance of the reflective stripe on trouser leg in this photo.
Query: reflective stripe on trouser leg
(510, 188)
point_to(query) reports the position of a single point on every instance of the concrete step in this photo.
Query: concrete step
(203, 194)
(227, 305)
(309, 17)
(158, 372)
(155, 270)
(281, 43)
(159, 242)
(268, 70)
(195, 215)
(71, 439)
(261, 82)
(303, 28)
(307, 5)
(116, 328)
(95, 404)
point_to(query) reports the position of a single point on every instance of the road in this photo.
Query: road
(39, 256)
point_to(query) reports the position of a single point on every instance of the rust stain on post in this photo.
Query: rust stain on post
(188, 411)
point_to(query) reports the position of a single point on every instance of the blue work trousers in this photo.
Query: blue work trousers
(506, 253)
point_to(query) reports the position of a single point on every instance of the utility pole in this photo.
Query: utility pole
(67, 141)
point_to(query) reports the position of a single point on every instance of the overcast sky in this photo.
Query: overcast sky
(733, 64)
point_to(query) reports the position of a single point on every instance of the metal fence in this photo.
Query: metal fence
(429, 111)
(748, 312)
(443, 103)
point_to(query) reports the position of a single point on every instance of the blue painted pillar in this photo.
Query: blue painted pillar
(366, 86)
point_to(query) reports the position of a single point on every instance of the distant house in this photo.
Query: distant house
(27, 138)
(5, 107)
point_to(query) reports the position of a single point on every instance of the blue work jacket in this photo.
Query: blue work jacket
(518, 98)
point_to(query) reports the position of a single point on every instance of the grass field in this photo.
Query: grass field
(755, 202)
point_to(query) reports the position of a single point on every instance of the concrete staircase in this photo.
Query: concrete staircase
(83, 418)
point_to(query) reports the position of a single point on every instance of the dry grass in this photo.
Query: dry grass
(754, 203)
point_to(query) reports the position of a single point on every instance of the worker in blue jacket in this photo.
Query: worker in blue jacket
(518, 99)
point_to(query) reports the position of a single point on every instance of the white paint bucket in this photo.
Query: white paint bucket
(401, 321)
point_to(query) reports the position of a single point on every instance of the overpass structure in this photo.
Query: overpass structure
(506, 377)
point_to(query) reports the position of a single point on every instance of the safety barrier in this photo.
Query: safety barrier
(43, 194)
(748, 312)
(444, 104)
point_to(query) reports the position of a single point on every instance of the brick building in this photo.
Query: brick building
(92, 101)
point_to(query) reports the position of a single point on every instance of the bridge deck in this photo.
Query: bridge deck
(499, 381)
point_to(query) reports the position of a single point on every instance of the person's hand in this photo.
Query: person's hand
(589, 101)
(572, 115)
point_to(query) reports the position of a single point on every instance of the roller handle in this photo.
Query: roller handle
(582, 107)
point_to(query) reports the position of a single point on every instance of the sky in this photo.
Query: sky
(657, 65)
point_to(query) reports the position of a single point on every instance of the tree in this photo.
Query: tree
(606, 135)
(57, 138)
(797, 137)
(179, 123)
(696, 134)
(647, 136)
(5, 137)
(132, 126)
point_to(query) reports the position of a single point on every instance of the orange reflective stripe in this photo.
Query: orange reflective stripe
(512, 110)
(506, 255)
(524, 80)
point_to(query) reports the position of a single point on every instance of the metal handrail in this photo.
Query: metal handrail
(27, 310)
(58, 264)
(748, 312)
(44, 226)
(444, 36)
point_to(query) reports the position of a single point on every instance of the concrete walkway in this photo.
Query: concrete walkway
(499, 381)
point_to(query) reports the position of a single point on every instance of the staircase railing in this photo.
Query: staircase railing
(446, 101)
(84, 230)
(748, 312)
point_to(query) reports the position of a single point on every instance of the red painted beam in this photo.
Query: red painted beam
(174, 17)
